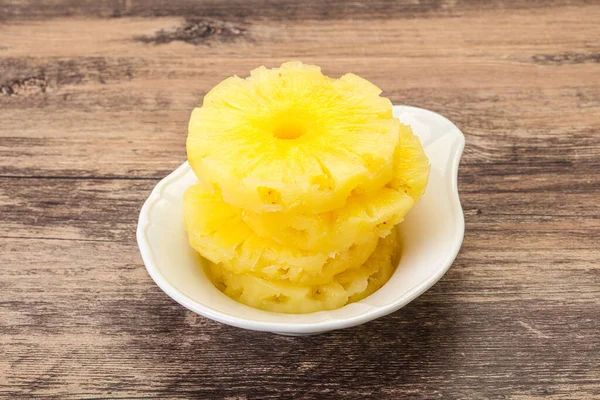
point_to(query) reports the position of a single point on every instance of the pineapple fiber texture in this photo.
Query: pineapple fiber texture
(302, 180)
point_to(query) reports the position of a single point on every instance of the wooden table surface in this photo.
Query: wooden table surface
(95, 98)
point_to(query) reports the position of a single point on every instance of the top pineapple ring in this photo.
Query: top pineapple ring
(290, 138)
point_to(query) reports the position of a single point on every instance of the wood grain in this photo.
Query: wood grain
(95, 98)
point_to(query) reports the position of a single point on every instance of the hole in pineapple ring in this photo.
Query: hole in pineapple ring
(289, 128)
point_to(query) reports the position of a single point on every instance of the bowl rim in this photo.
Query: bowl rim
(301, 327)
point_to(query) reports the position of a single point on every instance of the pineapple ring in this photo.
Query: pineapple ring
(290, 138)
(286, 297)
(363, 214)
(217, 231)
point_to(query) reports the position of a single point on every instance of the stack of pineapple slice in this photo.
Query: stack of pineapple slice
(301, 181)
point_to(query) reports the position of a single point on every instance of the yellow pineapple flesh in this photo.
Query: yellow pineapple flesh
(362, 215)
(302, 180)
(291, 138)
(282, 295)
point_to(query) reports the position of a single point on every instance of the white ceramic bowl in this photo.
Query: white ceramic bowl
(432, 234)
